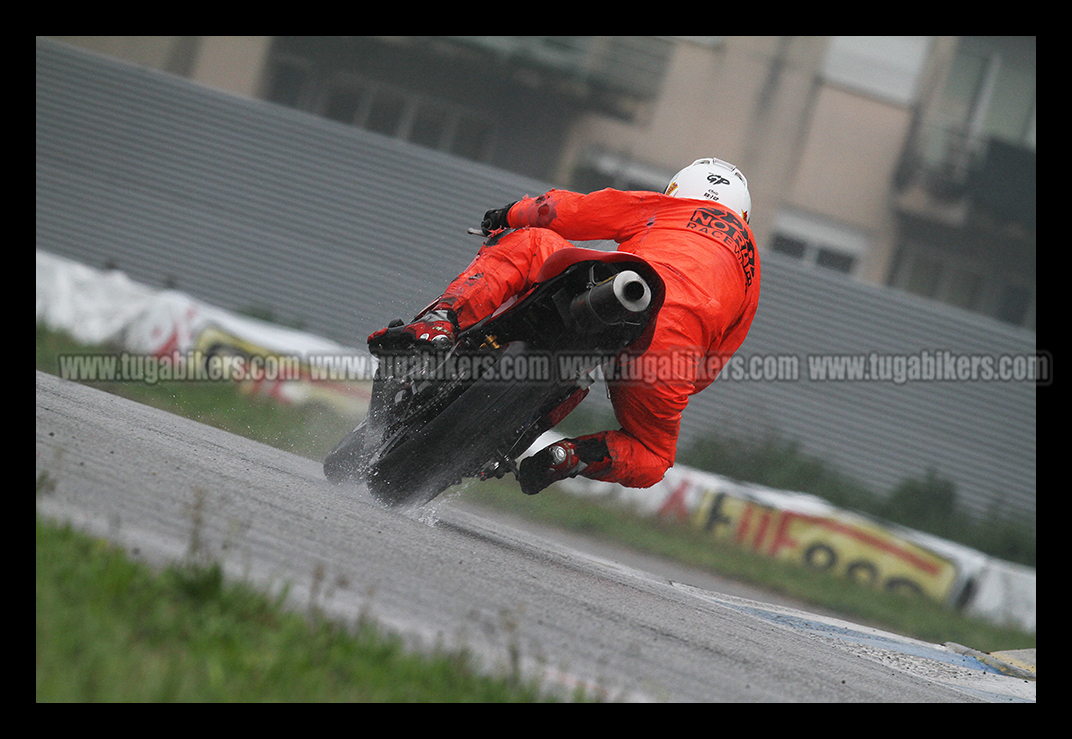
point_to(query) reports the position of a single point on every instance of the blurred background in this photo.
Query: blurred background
(906, 161)
(329, 180)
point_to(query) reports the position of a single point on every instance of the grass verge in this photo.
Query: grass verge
(109, 630)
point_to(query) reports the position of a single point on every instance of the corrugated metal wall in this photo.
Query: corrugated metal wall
(246, 204)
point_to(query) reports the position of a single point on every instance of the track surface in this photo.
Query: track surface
(167, 488)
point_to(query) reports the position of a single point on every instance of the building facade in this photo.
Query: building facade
(905, 161)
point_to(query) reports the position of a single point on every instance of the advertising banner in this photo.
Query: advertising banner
(830, 541)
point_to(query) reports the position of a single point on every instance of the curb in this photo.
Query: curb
(1014, 662)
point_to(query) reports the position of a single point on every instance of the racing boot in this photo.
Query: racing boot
(436, 328)
(561, 460)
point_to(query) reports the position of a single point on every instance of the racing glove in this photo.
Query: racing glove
(496, 220)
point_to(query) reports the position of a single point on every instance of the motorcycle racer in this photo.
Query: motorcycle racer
(695, 235)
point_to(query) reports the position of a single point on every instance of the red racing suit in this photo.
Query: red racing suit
(707, 257)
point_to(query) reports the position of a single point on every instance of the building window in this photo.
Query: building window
(344, 103)
(814, 254)
(966, 282)
(835, 260)
(982, 122)
(818, 241)
(788, 245)
(385, 114)
(382, 108)
(289, 82)
(473, 137)
(429, 126)
(889, 67)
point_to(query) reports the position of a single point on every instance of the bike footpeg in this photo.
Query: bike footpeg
(499, 469)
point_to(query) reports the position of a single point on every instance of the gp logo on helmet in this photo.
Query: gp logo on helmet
(717, 179)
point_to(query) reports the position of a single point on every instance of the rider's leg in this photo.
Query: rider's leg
(648, 395)
(636, 455)
(501, 270)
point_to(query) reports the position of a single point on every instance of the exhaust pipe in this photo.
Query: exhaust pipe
(612, 301)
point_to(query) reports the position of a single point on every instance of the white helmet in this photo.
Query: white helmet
(713, 179)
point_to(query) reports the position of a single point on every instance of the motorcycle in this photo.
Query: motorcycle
(437, 417)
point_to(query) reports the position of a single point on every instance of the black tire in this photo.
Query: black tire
(484, 420)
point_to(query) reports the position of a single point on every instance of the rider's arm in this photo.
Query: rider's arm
(606, 214)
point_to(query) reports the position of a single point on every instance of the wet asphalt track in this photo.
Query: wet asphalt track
(450, 575)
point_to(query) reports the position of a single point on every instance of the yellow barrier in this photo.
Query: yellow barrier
(836, 542)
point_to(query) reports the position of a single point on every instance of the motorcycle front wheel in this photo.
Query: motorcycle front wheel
(484, 421)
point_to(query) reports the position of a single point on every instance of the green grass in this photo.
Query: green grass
(109, 630)
(312, 432)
